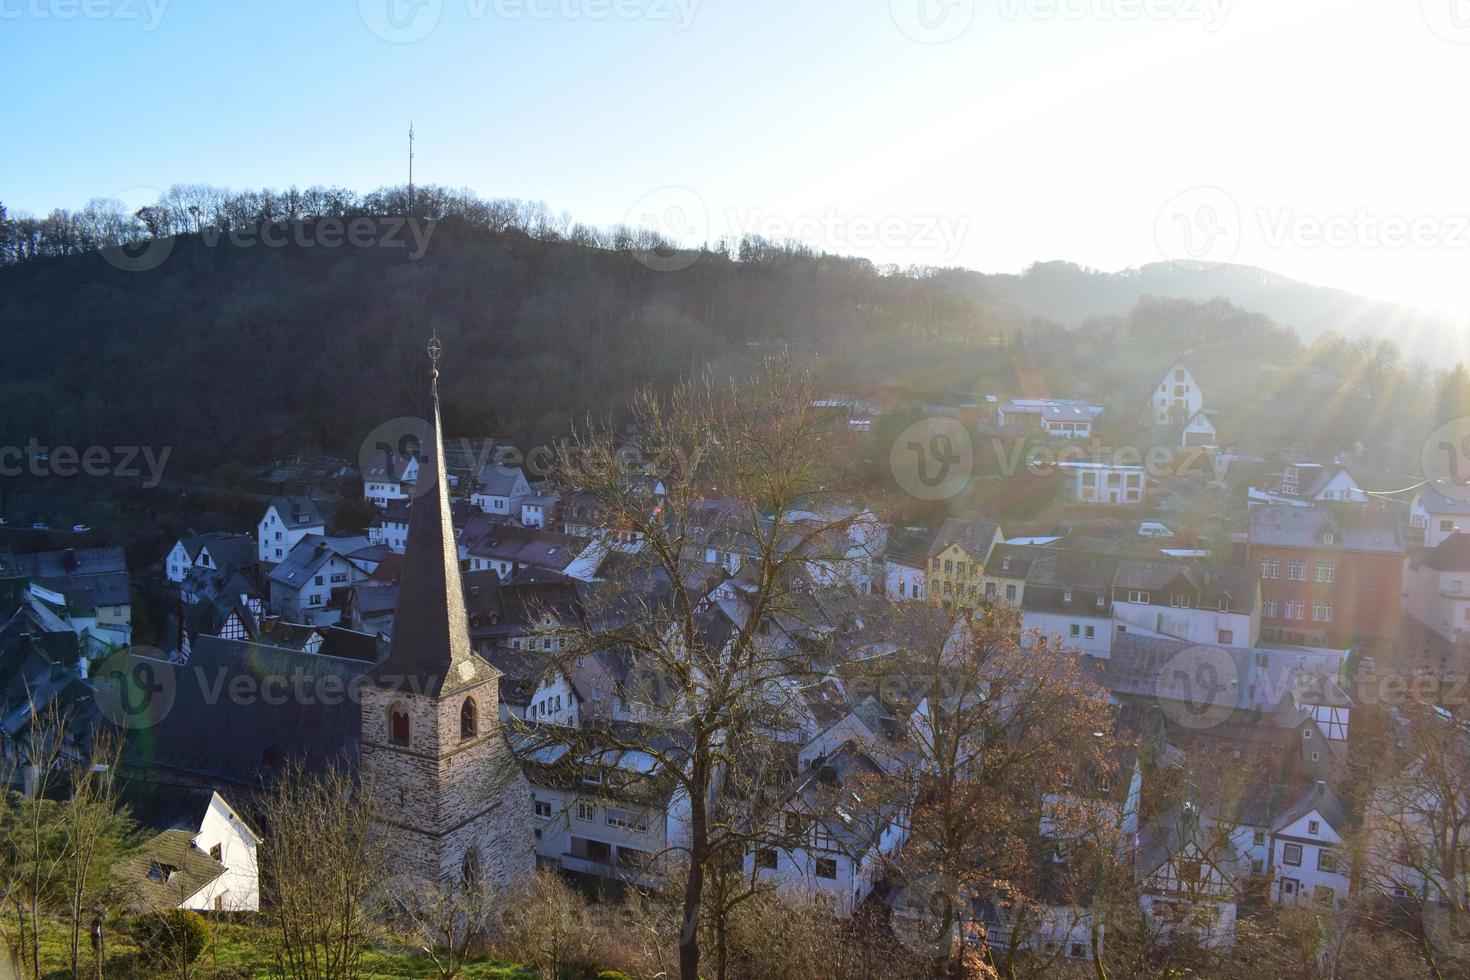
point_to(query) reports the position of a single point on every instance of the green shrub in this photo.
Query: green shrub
(171, 936)
(613, 975)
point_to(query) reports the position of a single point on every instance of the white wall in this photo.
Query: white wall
(239, 886)
(1099, 644)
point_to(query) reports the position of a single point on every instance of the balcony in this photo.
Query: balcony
(634, 872)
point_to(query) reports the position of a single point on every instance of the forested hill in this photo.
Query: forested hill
(229, 352)
(232, 349)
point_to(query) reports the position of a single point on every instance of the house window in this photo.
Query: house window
(1326, 571)
(765, 857)
(1324, 895)
(543, 809)
(1322, 612)
(1225, 637)
(1269, 607)
(1067, 596)
(1258, 838)
(1270, 568)
(468, 719)
(1136, 596)
(398, 727)
(1291, 854)
(1313, 827)
(1326, 861)
(1446, 527)
(1296, 570)
(1076, 951)
(826, 867)
(217, 852)
(585, 812)
(1010, 593)
(1090, 632)
(469, 869)
(1307, 733)
(1076, 629)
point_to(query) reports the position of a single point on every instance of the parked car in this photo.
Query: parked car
(1153, 529)
(39, 526)
(81, 528)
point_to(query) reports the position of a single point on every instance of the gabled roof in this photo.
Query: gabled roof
(1013, 560)
(167, 871)
(388, 467)
(1353, 529)
(909, 547)
(1211, 583)
(499, 481)
(297, 511)
(976, 537)
(229, 551)
(1450, 555)
(312, 552)
(1320, 798)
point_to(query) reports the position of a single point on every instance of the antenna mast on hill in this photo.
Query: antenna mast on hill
(410, 166)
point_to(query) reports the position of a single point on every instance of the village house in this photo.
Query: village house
(90, 589)
(906, 563)
(202, 856)
(1216, 604)
(1307, 484)
(1103, 483)
(1179, 397)
(390, 476)
(1060, 418)
(1438, 510)
(390, 526)
(1190, 876)
(1200, 429)
(1331, 577)
(500, 490)
(1069, 595)
(285, 522)
(508, 549)
(311, 585)
(216, 551)
(956, 561)
(1006, 571)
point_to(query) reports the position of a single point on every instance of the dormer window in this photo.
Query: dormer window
(1067, 596)
(1328, 537)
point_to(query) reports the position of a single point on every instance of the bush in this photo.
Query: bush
(172, 936)
(613, 975)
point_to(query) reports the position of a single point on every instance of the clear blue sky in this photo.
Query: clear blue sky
(1039, 129)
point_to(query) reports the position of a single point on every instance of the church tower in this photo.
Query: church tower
(452, 800)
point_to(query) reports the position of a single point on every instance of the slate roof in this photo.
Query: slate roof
(1450, 555)
(976, 537)
(498, 481)
(1057, 572)
(431, 638)
(1211, 583)
(166, 871)
(1435, 501)
(297, 512)
(529, 546)
(231, 734)
(1321, 798)
(1013, 560)
(229, 551)
(1355, 529)
(315, 550)
(909, 547)
(87, 577)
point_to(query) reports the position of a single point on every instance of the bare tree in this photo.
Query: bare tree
(714, 482)
(322, 870)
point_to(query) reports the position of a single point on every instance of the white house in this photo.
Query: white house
(1070, 595)
(1307, 864)
(830, 843)
(1199, 430)
(537, 509)
(1439, 510)
(1190, 876)
(390, 477)
(1178, 398)
(203, 858)
(390, 527)
(285, 522)
(1063, 418)
(1435, 586)
(906, 563)
(1104, 483)
(500, 491)
(509, 548)
(218, 551)
(1210, 604)
(302, 587)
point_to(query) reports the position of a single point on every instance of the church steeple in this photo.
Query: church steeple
(430, 653)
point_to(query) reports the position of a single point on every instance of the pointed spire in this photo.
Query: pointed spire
(430, 653)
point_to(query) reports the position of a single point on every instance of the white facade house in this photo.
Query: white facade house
(285, 522)
(1439, 510)
(1215, 605)
(500, 491)
(537, 509)
(204, 857)
(1437, 586)
(906, 563)
(1062, 418)
(1307, 862)
(1199, 430)
(216, 552)
(303, 585)
(1104, 483)
(390, 477)
(390, 527)
(1177, 398)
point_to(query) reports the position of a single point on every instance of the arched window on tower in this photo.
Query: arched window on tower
(398, 727)
(469, 870)
(469, 719)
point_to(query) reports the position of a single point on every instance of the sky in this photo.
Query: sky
(1320, 140)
